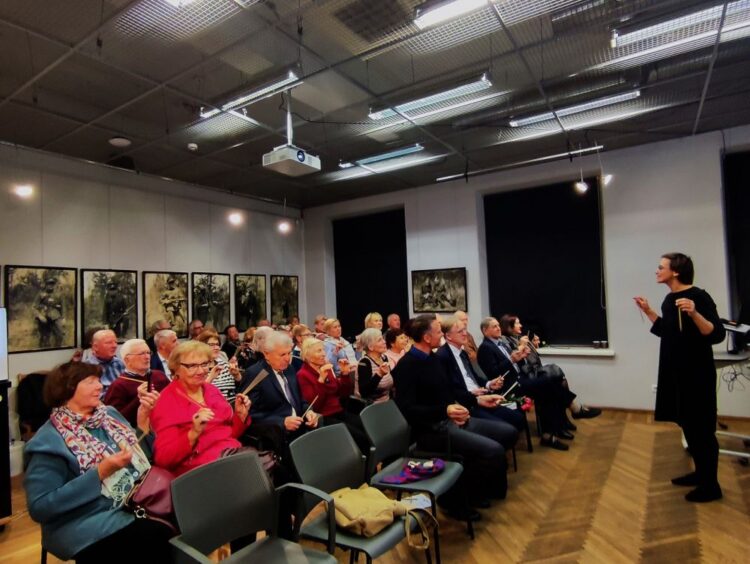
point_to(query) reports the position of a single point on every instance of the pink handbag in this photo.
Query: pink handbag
(151, 497)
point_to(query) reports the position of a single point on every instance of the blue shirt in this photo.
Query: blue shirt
(111, 369)
(416, 353)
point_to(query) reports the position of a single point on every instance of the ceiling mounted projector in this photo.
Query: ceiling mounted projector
(288, 159)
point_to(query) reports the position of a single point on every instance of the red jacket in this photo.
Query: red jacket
(328, 393)
(172, 419)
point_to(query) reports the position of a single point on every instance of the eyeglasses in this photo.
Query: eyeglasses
(144, 353)
(194, 367)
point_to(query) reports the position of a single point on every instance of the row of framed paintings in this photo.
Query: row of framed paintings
(42, 302)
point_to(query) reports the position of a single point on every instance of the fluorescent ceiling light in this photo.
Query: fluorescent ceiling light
(432, 13)
(577, 109)
(384, 167)
(384, 156)
(620, 38)
(179, 3)
(477, 86)
(288, 82)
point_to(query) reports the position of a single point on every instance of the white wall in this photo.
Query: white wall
(90, 216)
(665, 197)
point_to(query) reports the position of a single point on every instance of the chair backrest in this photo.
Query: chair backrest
(32, 411)
(387, 429)
(224, 500)
(328, 459)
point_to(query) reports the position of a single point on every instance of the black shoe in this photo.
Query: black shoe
(567, 435)
(704, 494)
(552, 442)
(464, 514)
(568, 425)
(479, 503)
(587, 413)
(686, 480)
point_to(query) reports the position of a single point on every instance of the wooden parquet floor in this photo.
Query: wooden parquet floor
(607, 500)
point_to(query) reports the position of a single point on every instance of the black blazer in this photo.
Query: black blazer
(446, 357)
(494, 363)
(156, 363)
(270, 405)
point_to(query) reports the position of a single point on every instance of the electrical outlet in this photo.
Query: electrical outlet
(653, 388)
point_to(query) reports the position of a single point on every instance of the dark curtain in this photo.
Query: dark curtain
(370, 265)
(544, 261)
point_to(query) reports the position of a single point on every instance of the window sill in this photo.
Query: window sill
(576, 351)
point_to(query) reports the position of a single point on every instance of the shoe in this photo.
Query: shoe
(686, 480)
(587, 413)
(480, 503)
(464, 514)
(703, 494)
(567, 435)
(568, 425)
(552, 442)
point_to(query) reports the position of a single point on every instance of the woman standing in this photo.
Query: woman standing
(686, 391)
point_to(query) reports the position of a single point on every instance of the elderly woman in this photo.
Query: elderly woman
(224, 375)
(396, 342)
(192, 420)
(373, 382)
(300, 333)
(374, 320)
(124, 393)
(82, 463)
(339, 351)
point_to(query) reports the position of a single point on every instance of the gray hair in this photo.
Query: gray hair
(163, 335)
(276, 339)
(156, 326)
(485, 324)
(101, 333)
(261, 334)
(129, 345)
(448, 323)
(369, 337)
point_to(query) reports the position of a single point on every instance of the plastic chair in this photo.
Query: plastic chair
(328, 459)
(389, 434)
(229, 499)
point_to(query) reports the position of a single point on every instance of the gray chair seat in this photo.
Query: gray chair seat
(437, 485)
(280, 550)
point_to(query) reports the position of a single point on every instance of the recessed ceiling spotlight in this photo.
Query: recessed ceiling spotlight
(119, 142)
(284, 227)
(192, 147)
(23, 190)
(235, 218)
(607, 178)
(581, 187)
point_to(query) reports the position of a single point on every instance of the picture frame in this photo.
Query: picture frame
(165, 296)
(249, 300)
(109, 300)
(439, 290)
(210, 299)
(41, 302)
(284, 298)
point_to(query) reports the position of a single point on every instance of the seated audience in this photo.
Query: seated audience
(374, 320)
(192, 420)
(224, 375)
(166, 341)
(104, 349)
(339, 351)
(432, 406)
(373, 382)
(81, 465)
(194, 329)
(231, 341)
(156, 326)
(300, 333)
(246, 356)
(396, 343)
(317, 380)
(532, 366)
(124, 393)
(319, 326)
(394, 321)
(83, 355)
(471, 345)
(464, 379)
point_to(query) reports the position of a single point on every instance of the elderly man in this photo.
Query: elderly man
(103, 350)
(394, 322)
(471, 345)
(156, 326)
(277, 400)
(195, 329)
(231, 340)
(166, 341)
(124, 393)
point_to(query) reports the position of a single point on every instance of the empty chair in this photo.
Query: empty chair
(228, 499)
(328, 459)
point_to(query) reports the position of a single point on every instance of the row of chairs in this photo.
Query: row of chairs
(233, 497)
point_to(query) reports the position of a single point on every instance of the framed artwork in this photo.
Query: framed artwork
(249, 300)
(210, 293)
(165, 296)
(284, 298)
(110, 301)
(41, 303)
(437, 291)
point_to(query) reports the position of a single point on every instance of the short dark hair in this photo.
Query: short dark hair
(61, 383)
(507, 322)
(228, 327)
(682, 265)
(391, 335)
(417, 326)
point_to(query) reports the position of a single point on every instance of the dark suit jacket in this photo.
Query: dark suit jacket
(156, 363)
(494, 363)
(446, 357)
(270, 405)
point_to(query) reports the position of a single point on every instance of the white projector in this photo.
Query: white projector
(291, 160)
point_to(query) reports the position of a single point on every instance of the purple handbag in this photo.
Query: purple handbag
(151, 497)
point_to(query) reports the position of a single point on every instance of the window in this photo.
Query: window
(544, 261)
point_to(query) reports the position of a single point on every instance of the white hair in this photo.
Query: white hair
(163, 335)
(369, 337)
(261, 334)
(129, 345)
(276, 339)
(101, 333)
